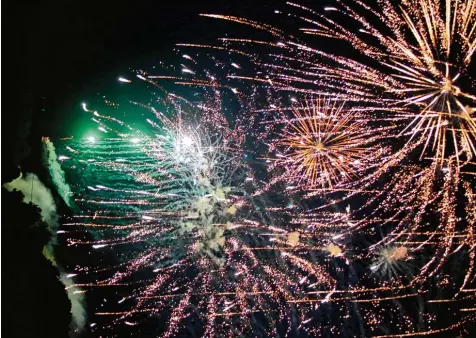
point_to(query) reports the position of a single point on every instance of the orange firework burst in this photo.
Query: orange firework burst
(323, 144)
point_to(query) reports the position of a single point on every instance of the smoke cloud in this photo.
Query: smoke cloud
(77, 299)
(36, 192)
(50, 159)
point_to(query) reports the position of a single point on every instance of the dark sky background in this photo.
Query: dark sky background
(56, 52)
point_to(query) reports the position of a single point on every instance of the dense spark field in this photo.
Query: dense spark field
(184, 211)
(338, 200)
(408, 61)
(415, 58)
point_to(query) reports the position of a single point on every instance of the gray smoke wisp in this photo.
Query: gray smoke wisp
(37, 193)
(50, 159)
(77, 299)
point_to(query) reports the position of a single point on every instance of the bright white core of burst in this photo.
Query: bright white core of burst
(187, 141)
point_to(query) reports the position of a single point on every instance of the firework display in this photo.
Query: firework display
(336, 197)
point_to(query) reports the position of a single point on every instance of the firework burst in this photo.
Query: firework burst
(392, 261)
(412, 74)
(427, 52)
(194, 240)
(324, 144)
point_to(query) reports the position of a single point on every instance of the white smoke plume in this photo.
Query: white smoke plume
(50, 160)
(36, 192)
(78, 312)
(75, 295)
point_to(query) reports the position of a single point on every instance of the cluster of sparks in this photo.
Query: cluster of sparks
(389, 136)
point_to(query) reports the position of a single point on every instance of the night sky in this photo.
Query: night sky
(59, 52)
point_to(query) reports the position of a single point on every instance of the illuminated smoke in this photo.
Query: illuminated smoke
(36, 192)
(50, 160)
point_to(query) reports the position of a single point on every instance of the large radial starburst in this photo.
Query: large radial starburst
(413, 60)
(426, 57)
(425, 49)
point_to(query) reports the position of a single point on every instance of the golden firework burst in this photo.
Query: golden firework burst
(324, 144)
(425, 49)
(421, 54)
